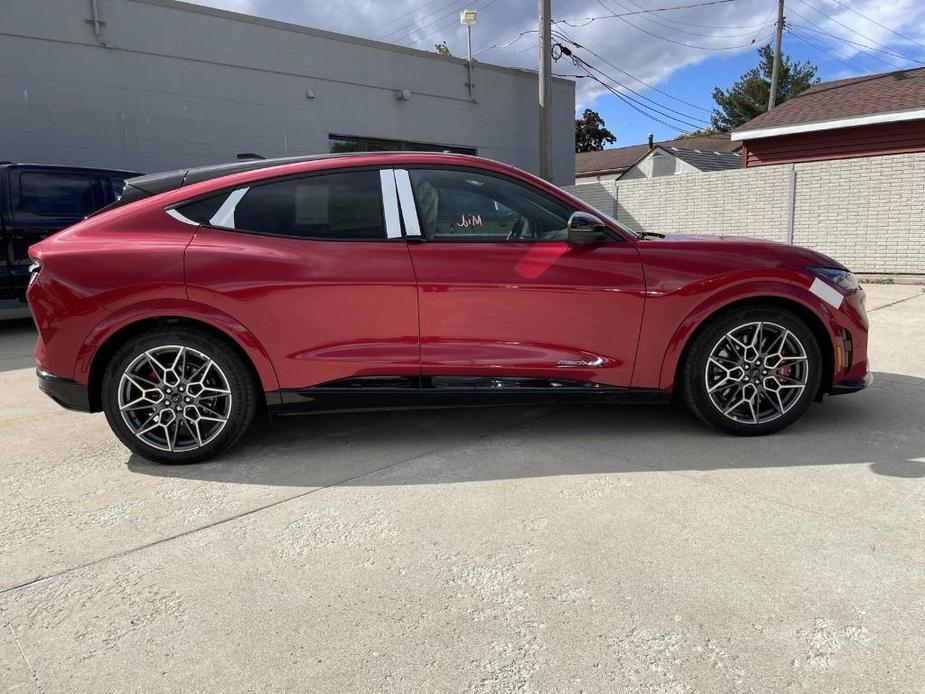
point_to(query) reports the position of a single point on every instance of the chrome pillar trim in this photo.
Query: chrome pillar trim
(224, 215)
(180, 218)
(406, 198)
(390, 204)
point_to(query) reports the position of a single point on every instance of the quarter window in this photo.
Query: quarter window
(455, 205)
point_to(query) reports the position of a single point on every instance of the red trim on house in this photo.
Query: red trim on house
(863, 141)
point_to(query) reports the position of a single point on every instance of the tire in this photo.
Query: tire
(720, 370)
(185, 414)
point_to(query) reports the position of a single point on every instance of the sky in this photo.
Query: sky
(665, 63)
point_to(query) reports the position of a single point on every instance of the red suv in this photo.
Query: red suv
(375, 281)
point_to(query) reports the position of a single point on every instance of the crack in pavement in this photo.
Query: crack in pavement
(243, 514)
(899, 301)
(35, 679)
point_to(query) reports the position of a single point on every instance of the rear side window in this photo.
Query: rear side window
(47, 194)
(201, 211)
(341, 206)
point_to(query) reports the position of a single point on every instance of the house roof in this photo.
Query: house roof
(619, 159)
(707, 160)
(884, 97)
(702, 160)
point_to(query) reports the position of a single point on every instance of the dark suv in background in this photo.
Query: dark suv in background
(36, 200)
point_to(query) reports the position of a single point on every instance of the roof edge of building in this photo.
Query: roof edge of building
(829, 124)
(182, 6)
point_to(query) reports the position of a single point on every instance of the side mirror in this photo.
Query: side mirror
(584, 228)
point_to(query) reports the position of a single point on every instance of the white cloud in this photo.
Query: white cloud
(724, 29)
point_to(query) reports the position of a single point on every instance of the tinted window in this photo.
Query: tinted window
(342, 206)
(201, 211)
(54, 194)
(468, 206)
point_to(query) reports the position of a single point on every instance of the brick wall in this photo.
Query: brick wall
(868, 213)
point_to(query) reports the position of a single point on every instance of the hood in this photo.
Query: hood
(728, 253)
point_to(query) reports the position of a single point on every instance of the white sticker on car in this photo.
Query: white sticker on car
(827, 293)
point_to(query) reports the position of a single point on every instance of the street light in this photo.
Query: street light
(467, 18)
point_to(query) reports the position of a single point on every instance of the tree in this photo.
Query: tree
(748, 96)
(590, 132)
(443, 49)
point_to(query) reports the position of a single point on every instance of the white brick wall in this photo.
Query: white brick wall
(868, 213)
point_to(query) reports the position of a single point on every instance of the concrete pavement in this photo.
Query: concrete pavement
(540, 549)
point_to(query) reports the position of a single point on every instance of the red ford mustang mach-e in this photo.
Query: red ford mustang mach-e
(369, 281)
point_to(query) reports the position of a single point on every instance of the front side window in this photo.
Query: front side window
(47, 194)
(456, 205)
(341, 206)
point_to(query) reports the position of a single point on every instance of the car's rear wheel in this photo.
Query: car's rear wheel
(178, 395)
(752, 371)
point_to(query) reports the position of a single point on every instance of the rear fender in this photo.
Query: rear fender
(175, 308)
(732, 295)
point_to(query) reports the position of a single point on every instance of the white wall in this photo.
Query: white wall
(868, 213)
(181, 85)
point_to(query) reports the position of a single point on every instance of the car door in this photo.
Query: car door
(316, 267)
(503, 295)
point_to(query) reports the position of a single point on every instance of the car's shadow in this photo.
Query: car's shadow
(882, 428)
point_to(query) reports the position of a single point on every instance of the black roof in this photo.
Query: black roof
(161, 182)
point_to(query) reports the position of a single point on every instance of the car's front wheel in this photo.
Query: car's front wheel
(178, 395)
(752, 371)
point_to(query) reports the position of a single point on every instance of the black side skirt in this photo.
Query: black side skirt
(402, 393)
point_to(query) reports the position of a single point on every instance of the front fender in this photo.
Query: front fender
(176, 308)
(774, 289)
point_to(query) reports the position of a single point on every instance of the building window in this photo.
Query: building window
(350, 143)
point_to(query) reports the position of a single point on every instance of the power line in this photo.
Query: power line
(845, 26)
(869, 19)
(697, 122)
(588, 20)
(506, 43)
(410, 29)
(451, 22)
(869, 49)
(402, 17)
(410, 25)
(688, 121)
(624, 100)
(568, 39)
(701, 34)
(678, 43)
(822, 49)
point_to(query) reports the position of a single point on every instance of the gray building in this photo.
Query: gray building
(148, 85)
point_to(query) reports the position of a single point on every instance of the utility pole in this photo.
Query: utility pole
(545, 84)
(775, 71)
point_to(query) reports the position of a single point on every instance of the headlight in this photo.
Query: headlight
(843, 279)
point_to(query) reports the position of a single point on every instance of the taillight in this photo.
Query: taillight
(34, 267)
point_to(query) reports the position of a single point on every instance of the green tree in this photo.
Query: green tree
(748, 96)
(442, 48)
(590, 132)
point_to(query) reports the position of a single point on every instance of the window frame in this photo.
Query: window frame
(389, 220)
(402, 177)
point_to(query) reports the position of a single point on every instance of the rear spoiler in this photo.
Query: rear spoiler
(142, 187)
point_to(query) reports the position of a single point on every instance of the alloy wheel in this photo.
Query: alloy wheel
(174, 398)
(756, 372)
